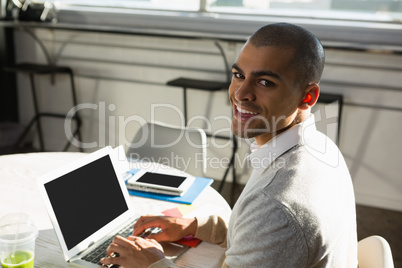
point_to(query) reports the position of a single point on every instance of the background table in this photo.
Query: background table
(19, 193)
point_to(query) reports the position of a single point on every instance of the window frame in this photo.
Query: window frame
(348, 34)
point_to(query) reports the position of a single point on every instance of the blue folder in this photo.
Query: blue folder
(199, 184)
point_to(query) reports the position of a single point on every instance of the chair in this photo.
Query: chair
(328, 111)
(43, 69)
(374, 252)
(179, 147)
(210, 86)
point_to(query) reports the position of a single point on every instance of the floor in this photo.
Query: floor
(370, 221)
(386, 223)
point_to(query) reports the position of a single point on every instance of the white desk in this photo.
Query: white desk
(19, 193)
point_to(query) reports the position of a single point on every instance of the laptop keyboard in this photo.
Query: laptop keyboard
(100, 251)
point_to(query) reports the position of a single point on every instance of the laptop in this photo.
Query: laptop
(88, 204)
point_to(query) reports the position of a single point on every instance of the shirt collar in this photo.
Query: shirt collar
(261, 157)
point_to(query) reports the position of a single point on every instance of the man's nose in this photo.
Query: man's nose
(245, 92)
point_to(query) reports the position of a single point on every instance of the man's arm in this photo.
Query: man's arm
(172, 229)
(264, 234)
(212, 229)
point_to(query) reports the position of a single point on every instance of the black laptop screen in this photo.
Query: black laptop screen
(86, 199)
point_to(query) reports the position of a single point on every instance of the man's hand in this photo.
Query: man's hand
(173, 229)
(133, 252)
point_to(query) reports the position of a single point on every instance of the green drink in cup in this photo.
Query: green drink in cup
(17, 241)
(19, 259)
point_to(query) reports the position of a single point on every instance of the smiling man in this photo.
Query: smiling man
(275, 71)
(297, 208)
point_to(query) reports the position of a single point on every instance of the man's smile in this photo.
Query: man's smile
(240, 110)
(242, 114)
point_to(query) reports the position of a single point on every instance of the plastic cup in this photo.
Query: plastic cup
(17, 241)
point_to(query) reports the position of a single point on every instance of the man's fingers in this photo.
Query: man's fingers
(148, 229)
(110, 260)
(113, 248)
(143, 220)
(118, 246)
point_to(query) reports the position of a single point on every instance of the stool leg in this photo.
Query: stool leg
(37, 115)
(26, 131)
(231, 164)
(76, 115)
(185, 105)
(225, 175)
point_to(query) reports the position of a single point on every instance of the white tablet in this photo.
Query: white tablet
(160, 183)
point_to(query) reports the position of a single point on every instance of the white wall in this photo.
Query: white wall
(125, 76)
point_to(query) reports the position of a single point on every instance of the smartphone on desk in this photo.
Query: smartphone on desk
(160, 183)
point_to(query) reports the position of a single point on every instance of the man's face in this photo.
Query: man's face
(263, 94)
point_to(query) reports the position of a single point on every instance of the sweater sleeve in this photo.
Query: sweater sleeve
(270, 239)
(212, 229)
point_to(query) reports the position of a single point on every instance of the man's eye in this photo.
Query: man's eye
(266, 83)
(238, 75)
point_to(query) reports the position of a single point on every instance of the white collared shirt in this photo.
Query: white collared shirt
(261, 157)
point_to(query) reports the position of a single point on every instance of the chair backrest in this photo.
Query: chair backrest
(374, 252)
(179, 147)
(328, 115)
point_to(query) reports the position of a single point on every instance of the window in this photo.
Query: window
(366, 10)
(374, 10)
(185, 5)
(356, 24)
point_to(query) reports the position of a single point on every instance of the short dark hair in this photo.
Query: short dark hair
(309, 56)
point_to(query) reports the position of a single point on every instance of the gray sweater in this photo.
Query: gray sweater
(297, 209)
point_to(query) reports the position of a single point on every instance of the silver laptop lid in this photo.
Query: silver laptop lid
(86, 200)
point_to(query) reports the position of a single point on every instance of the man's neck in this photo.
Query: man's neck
(266, 137)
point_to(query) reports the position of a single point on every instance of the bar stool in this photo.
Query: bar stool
(211, 86)
(43, 69)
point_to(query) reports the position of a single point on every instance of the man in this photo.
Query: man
(298, 207)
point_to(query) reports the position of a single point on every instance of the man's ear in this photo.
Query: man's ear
(311, 96)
